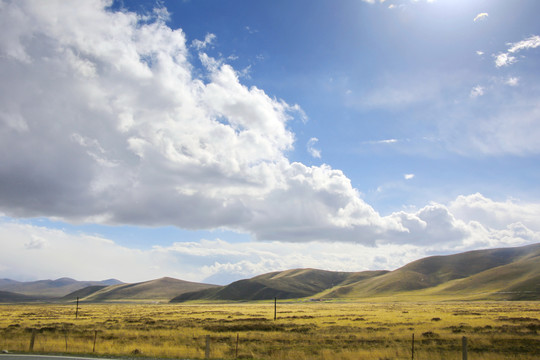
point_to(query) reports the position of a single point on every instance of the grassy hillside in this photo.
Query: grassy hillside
(494, 274)
(161, 289)
(519, 280)
(508, 273)
(83, 293)
(484, 273)
(289, 284)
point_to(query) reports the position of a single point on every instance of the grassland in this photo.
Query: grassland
(303, 330)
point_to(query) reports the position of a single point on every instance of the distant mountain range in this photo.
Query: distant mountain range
(50, 288)
(494, 274)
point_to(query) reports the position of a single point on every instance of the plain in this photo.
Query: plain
(302, 330)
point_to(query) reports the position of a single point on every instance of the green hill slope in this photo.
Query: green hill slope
(83, 293)
(486, 271)
(507, 273)
(289, 284)
(519, 280)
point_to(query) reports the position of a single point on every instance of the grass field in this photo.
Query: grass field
(303, 330)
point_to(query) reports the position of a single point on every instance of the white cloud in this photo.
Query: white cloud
(505, 59)
(203, 44)
(481, 16)
(529, 43)
(408, 176)
(392, 6)
(47, 253)
(86, 257)
(512, 81)
(129, 132)
(477, 91)
(495, 214)
(35, 242)
(479, 53)
(468, 222)
(127, 124)
(316, 153)
(385, 141)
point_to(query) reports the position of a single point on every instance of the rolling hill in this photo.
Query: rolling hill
(479, 272)
(161, 289)
(507, 273)
(289, 284)
(493, 274)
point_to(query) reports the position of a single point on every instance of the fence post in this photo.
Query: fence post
(464, 347)
(65, 337)
(236, 352)
(77, 309)
(275, 308)
(207, 351)
(95, 337)
(412, 347)
(32, 339)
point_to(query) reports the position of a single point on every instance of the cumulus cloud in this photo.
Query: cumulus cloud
(469, 222)
(495, 214)
(90, 257)
(408, 176)
(107, 118)
(316, 153)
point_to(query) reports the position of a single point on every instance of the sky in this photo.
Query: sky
(212, 141)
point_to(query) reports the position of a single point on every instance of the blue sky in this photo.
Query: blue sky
(217, 140)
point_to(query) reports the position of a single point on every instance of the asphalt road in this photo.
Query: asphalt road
(45, 357)
(54, 357)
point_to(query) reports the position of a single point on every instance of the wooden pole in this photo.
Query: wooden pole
(77, 309)
(65, 337)
(207, 351)
(275, 308)
(236, 352)
(95, 337)
(464, 347)
(412, 349)
(32, 339)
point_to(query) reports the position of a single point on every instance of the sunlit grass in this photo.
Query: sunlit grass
(303, 330)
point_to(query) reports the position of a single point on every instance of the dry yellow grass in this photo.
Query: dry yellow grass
(303, 330)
